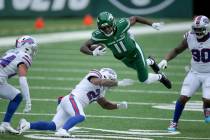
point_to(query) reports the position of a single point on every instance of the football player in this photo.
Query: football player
(114, 35)
(70, 109)
(15, 61)
(197, 41)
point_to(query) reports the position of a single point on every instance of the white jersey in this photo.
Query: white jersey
(200, 51)
(10, 61)
(86, 92)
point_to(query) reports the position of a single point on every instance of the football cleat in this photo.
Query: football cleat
(62, 133)
(154, 66)
(2, 129)
(172, 127)
(23, 126)
(6, 127)
(207, 119)
(166, 82)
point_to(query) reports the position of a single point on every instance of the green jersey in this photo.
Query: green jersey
(120, 43)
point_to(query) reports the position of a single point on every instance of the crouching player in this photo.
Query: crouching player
(70, 109)
(16, 61)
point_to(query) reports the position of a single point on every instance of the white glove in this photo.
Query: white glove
(122, 105)
(98, 51)
(163, 64)
(27, 108)
(125, 82)
(157, 25)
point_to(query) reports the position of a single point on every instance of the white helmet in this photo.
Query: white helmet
(27, 44)
(200, 25)
(108, 73)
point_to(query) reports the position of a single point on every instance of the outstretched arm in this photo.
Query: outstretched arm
(135, 19)
(103, 82)
(176, 51)
(111, 83)
(105, 104)
(22, 71)
(173, 53)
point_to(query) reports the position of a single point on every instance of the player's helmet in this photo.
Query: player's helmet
(106, 23)
(108, 73)
(27, 44)
(200, 25)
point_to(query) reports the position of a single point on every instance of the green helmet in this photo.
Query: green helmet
(106, 23)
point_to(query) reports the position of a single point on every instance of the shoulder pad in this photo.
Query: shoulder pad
(98, 36)
(25, 58)
(123, 24)
(187, 34)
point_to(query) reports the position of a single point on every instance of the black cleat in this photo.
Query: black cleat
(166, 82)
(154, 66)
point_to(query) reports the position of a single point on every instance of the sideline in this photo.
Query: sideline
(79, 35)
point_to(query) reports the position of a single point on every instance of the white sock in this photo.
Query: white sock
(152, 78)
(149, 62)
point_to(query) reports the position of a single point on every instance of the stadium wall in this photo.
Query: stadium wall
(78, 8)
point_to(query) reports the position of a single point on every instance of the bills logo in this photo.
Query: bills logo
(141, 7)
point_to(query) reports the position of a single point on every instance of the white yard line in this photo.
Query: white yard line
(113, 90)
(77, 79)
(79, 35)
(108, 117)
(130, 103)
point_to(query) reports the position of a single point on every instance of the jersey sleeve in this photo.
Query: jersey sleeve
(97, 37)
(187, 34)
(123, 24)
(25, 59)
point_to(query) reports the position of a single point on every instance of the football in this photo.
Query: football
(94, 46)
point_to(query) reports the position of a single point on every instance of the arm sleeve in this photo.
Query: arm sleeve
(24, 88)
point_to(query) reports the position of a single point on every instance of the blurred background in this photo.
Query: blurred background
(36, 16)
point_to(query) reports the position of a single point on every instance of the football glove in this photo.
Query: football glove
(157, 25)
(27, 108)
(125, 82)
(163, 64)
(98, 51)
(122, 105)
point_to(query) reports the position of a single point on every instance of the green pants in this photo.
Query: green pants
(137, 61)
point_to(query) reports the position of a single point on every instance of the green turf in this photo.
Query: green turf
(27, 26)
(20, 26)
(62, 66)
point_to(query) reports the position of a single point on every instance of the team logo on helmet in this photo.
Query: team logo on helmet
(27, 44)
(108, 73)
(106, 23)
(200, 25)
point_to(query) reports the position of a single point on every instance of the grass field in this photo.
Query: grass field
(21, 26)
(59, 67)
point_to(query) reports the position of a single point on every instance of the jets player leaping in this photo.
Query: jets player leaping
(197, 41)
(15, 61)
(114, 35)
(70, 110)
